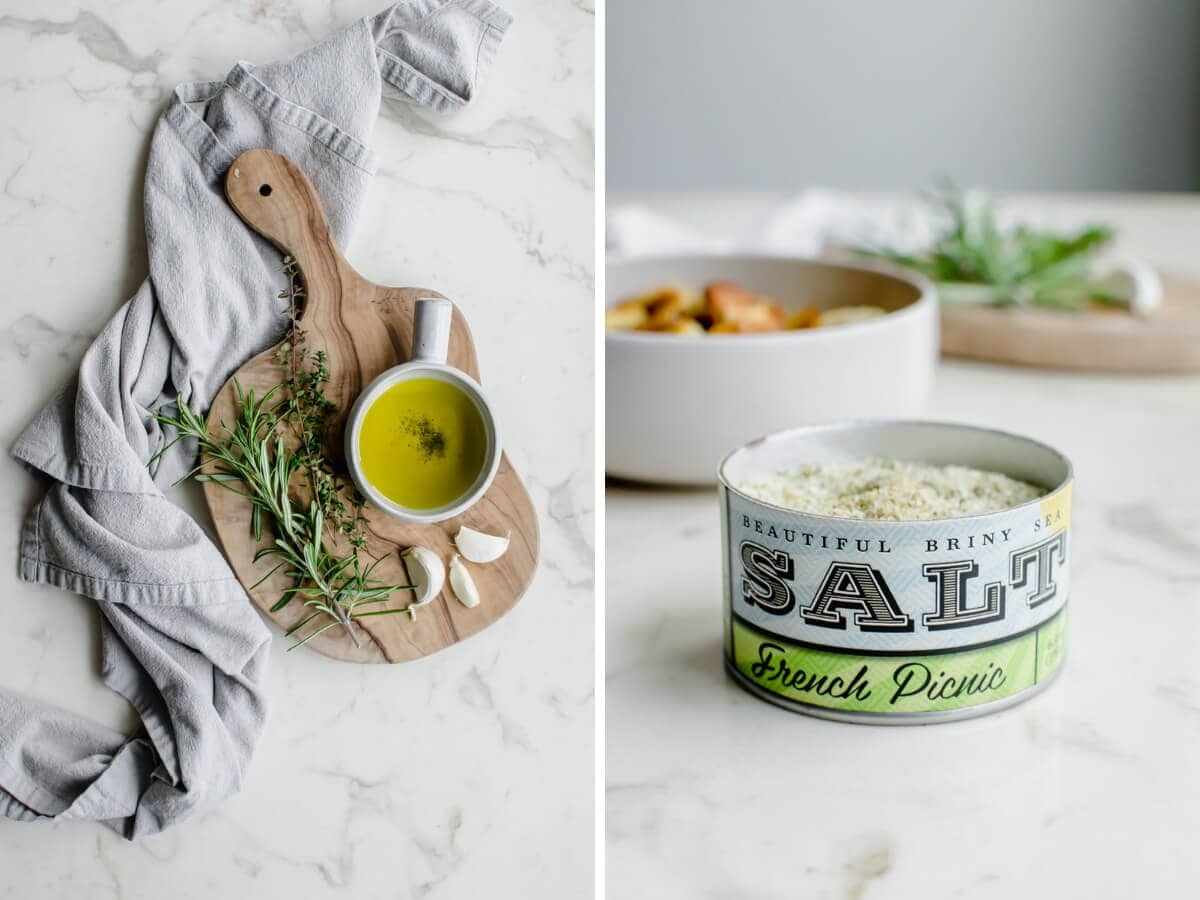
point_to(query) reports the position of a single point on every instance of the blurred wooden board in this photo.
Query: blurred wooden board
(1107, 341)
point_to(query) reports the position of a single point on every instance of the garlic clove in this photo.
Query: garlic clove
(478, 546)
(428, 575)
(463, 584)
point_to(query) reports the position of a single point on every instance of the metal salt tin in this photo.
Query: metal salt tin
(887, 622)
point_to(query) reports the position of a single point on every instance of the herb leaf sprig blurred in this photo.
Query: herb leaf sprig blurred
(975, 261)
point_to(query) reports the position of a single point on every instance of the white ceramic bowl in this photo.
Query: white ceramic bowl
(675, 406)
(431, 340)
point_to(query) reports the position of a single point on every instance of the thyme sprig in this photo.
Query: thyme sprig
(274, 449)
(307, 413)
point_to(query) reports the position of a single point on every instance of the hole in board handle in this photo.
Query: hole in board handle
(265, 190)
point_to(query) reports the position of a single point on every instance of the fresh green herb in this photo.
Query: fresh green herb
(974, 261)
(274, 447)
(307, 412)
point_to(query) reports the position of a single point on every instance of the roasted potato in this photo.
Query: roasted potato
(681, 325)
(625, 317)
(658, 310)
(723, 308)
(808, 317)
(728, 302)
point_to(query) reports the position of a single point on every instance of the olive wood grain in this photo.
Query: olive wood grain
(1165, 341)
(364, 329)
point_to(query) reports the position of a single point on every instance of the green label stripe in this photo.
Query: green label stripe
(851, 681)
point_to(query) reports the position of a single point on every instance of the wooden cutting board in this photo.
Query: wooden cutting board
(364, 328)
(1110, 341)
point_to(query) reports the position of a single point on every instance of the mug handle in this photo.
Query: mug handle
(431, 329)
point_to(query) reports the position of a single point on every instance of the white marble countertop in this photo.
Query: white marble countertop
(440, 778)
(1091, 789)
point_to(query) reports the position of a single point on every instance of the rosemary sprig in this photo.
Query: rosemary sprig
(974, 261)
(274, 445)
(254, 461)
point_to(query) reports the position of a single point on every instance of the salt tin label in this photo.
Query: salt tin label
(896, 617)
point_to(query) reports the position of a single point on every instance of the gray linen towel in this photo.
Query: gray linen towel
(180, 640)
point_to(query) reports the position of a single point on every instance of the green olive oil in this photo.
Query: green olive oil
(422, 443)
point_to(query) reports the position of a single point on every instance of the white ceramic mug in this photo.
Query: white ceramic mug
(431, 341)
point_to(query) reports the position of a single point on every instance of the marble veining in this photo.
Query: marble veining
(1090, 789)
(442, 778)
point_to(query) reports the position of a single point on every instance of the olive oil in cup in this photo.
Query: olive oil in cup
(422, 442)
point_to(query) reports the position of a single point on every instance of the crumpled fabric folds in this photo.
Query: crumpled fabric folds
(180, 640)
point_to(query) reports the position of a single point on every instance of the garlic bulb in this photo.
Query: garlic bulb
(479, 547)
(428, 575)
(463, 584)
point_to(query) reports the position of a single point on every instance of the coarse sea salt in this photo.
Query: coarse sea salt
(891, 489)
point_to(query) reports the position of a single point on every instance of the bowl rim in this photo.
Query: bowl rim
(926, 299)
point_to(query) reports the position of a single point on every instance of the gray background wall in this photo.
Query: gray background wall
(1039, 94)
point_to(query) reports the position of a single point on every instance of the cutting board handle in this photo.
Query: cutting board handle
(432, 320)
(278, 201)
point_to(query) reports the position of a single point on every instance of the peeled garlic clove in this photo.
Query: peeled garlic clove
(463, 584)
(427, 572)
(479, 547)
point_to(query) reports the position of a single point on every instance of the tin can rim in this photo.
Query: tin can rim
(879, 424)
